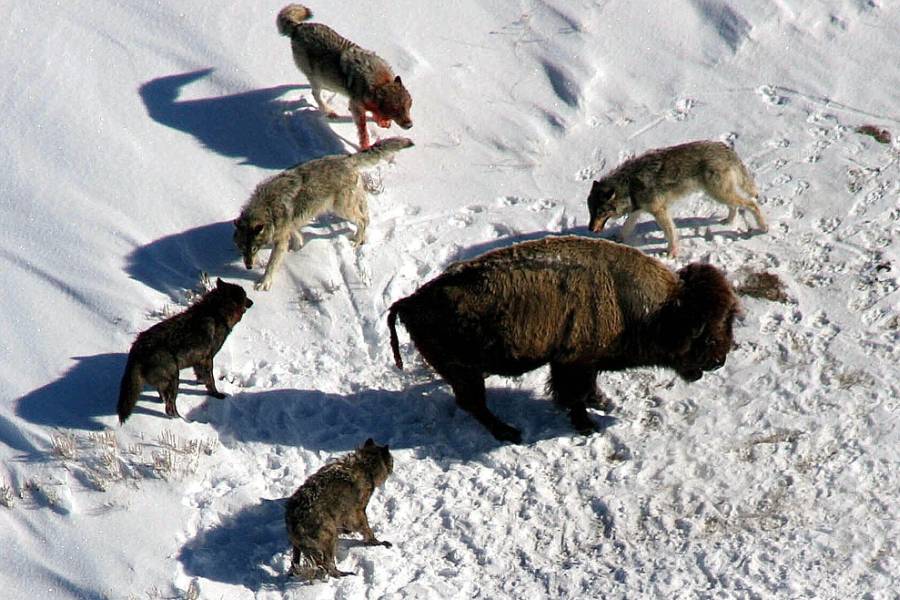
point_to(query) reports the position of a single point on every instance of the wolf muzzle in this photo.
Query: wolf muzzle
(599, 222)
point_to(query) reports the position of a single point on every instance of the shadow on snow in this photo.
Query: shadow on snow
(640, 238)
(251, 548)
(256, 126)
(87, 391)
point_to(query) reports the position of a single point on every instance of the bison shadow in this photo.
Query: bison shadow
(80, 398)
(257, 126)
(423, 417)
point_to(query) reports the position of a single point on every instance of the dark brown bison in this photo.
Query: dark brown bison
(581, 305)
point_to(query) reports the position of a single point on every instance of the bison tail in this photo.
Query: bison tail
(129, 390)
(395, 343)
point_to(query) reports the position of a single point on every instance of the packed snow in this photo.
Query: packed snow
(133, 132)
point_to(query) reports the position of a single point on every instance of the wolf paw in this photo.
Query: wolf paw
(506, 433)
(263, 285)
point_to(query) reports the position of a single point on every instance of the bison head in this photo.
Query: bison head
(695, 327)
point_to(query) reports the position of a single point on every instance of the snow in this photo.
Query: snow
(133, 134)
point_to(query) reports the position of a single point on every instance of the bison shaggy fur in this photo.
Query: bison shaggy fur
(581, 305)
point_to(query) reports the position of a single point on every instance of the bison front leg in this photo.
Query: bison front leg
(574, 387)
(468, 387)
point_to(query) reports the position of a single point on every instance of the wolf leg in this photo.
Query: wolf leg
(358, 112)
(732, 212)
(361, 524)
(169, 393)
(296, 240)
(204, 372)
(628, 227)
(668, 227)
(326, 560)
(573, 387)
(323, 106)
(354, 208)
(275, 259)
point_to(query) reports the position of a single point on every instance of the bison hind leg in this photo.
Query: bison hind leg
(468, 387)
(574, 387)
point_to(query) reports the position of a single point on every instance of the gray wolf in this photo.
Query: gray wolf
(333, 500)
(334, 63)
(653, 181)
(581, 305)
(189, 339)
(282, 204)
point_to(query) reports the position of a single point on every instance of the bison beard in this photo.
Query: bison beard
(581, 305)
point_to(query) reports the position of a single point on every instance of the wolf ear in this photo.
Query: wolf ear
(369, 443)
(219, 282)
(397, 80)
(598, 193)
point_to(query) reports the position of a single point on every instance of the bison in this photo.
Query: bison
(581, 305)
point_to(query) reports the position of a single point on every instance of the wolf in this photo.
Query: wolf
(653, 181)
(584, 306)
(189, 339)
(333, 500)
(282, 204)
(333, 62)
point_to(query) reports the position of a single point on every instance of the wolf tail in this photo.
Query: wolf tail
(395, 343)
(290, 16)
(130, 389)
(379, 151)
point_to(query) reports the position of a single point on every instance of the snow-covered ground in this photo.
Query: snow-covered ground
(132, 134)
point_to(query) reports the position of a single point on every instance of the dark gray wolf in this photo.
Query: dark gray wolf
(333, 500)
(282, 204)
(333, 62)
(189, 339)
(653, 181)
(581, 305)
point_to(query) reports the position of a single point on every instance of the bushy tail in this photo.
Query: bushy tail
(379, 151)
(395, 343)
(129, 390)
(290, 16)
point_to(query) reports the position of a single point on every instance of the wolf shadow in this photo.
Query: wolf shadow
(80, 397)
(640, 238)
(258, 126)
(173, 263)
